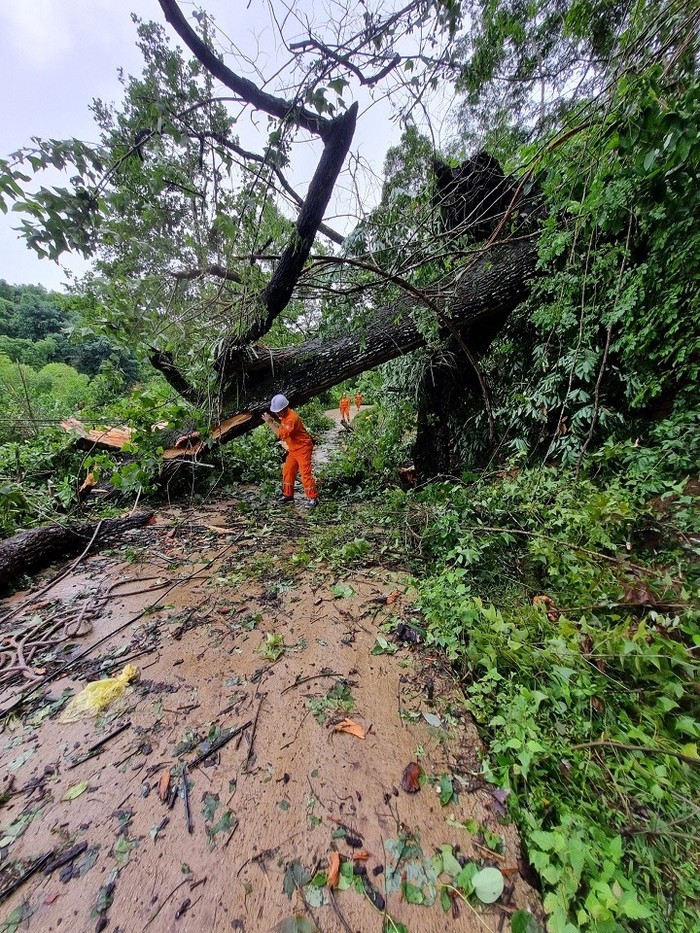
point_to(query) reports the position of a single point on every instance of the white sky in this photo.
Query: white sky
(57, 55)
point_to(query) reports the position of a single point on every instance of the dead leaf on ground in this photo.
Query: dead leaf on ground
(411, 778)
(164, 785)
(392, 597)
(352, 728)
(639, 594)
(333, 869)
(360, 856)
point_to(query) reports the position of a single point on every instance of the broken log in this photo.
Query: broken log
(107, 439)
(29, 551)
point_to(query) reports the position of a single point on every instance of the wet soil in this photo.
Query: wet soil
(243, 631)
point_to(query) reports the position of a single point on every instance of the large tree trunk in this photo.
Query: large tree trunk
(433, 448)
(29, 551)
(482, 299)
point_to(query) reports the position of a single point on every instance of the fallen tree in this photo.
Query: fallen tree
(482, 298)
(469, 306)
(29, 551)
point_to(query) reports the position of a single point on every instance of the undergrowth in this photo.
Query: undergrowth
(567, 607)
(574, 634)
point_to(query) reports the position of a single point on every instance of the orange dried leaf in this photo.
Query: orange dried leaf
(392, 597)
(333, 869)
(164, 785)
(347, 725)
(360, 856)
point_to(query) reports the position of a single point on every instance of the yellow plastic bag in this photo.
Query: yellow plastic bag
(98, 695)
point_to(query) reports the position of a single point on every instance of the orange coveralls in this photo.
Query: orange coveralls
(345, 408)
(358, 401)
(299, 447)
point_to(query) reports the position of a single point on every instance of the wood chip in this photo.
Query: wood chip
(333, 869)
(164, 785)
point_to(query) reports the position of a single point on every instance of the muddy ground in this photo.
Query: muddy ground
(232, 627)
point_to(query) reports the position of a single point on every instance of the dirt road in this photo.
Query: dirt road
(243, 632)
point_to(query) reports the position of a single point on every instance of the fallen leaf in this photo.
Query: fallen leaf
(392, 597)
(51, 898)
(547, 603)
(164, 785)
(498, 805)
(360, 856)
(347, 725)
(333, 869)
(75, 791)
(411, 778)
(488, 884)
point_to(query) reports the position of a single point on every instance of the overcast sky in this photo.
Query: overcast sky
(57, 55)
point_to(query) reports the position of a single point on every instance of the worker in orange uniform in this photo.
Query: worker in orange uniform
(358, 400)
(344, 406)
(289, 428)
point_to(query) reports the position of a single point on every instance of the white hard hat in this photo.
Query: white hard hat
(279, 403)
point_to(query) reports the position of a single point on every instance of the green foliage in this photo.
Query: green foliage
(369, 457)
(609, 657)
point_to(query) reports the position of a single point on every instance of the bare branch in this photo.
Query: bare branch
(276, 106)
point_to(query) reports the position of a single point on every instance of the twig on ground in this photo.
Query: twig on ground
(96, 749)
(219, 743)
(163, 903)
(186, 799)
(252, 734)
(343, 922)
(69, 855)
(305, 680)
(25, 876)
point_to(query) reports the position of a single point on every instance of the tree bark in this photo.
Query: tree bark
(29, 551)
(432, 449)
(481, 300)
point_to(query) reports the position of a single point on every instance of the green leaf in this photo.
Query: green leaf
(630, 906)
(382, 646)
(522, 921)
(210, 805)
(75, 791)
(122, 849)
(296, 876)
(446, 789)
(412, 893)
(488, 885)
(449, 863)
(342, 591)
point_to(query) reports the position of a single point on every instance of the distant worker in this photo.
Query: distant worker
(358, 400)
(344, 406)
(290, 430)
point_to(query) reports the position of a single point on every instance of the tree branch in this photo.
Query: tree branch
(262, 160)
(214, 269)
(261, 100)
(277, 293)
(163, 362)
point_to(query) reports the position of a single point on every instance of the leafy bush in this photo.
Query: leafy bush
(371, 454)
(574, 640)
